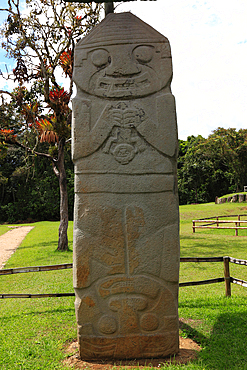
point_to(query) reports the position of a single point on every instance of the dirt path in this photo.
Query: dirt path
(10, 241)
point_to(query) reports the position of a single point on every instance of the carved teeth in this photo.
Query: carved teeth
(113, 84)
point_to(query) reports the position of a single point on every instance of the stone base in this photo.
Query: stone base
(129, 347)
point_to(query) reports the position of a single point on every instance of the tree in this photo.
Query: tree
(42, 40)
(212, 167)
(228, 149)
(193, 171)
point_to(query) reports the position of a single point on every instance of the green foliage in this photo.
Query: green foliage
(31, 191)
(230, 147)
(212, 167)
(193, 171)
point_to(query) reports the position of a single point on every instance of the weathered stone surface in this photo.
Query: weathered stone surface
(234, 198)
(126, 224)
(241, 198)
(229, 199)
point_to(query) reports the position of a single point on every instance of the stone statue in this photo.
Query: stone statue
(126, 225)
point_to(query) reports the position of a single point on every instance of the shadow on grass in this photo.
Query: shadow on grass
(225, 349)
(211, 239)
(52, 243)
(188, 331)
(49, 244)
(193, 237)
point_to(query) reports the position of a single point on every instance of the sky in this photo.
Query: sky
(209, 51)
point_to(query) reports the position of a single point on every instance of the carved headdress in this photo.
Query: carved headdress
(122, 28)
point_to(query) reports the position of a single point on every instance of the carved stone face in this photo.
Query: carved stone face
(123, 70)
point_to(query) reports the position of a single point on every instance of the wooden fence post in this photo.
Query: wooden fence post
(217, 218)
(227, 277)
(236, 230)
(193, 227)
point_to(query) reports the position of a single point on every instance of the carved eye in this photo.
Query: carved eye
(144, 54)
(100, 57)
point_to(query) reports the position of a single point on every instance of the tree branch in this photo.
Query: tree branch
(7, 92)
(55, 169)
(30, 150)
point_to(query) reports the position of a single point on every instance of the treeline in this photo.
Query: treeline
(212, 167)
(207, 168)
(29, 191)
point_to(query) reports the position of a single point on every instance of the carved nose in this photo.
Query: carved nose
(122, 65)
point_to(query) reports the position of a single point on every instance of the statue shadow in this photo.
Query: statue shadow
(226, 346)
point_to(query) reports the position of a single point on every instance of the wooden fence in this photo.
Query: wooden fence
(210, 222)
(227, 278)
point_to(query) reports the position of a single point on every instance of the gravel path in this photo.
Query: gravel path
(10, 241)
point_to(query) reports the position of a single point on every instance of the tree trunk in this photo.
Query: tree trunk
(64, 212)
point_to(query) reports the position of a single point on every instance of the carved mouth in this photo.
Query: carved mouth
(115, 85)
(137, 284)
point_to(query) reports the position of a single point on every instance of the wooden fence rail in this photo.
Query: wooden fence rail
(239, 282)
(47, 295)
(237, 261)
(209, 221)
(227, 278)
(202, 282)
(20, 270)
(201, 259)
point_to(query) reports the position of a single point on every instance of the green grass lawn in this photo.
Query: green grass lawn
(34, 332)
(3, 229)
